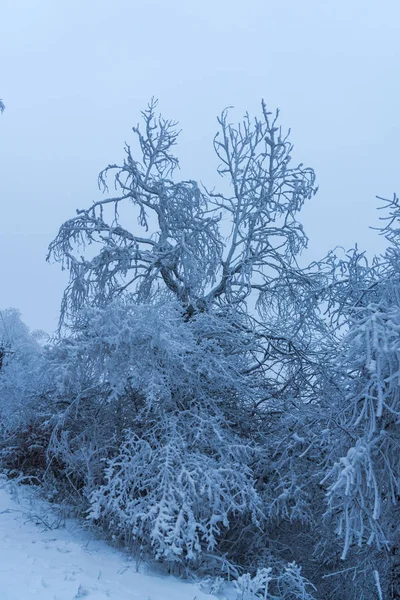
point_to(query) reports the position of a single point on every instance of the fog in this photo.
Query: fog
(74, 76)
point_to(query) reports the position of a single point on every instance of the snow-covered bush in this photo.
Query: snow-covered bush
(179, 495)
(23, 437)
(274, 583)
(165, 403)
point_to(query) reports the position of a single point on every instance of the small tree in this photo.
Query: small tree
(206, 250)
(219, 269)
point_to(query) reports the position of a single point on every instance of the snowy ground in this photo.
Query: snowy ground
(43, 561)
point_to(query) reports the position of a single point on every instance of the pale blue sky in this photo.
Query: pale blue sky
(75, 74)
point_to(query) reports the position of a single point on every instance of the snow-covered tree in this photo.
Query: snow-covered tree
(202, 248)
(206, 250)
(193, 342)
(364, 482)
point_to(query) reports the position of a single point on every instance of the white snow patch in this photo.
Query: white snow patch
(65, 563)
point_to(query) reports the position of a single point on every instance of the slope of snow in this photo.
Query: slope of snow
(43, 561)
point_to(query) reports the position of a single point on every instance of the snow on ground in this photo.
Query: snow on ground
(43, 561)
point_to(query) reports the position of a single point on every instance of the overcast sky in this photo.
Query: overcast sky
(74, 75)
